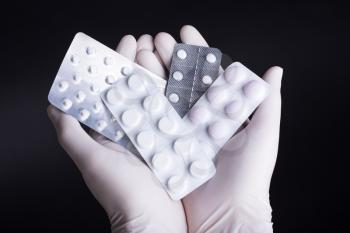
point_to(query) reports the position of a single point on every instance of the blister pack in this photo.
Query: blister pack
(193, 69)
(160, 135)
(88, 68)
(226, 105)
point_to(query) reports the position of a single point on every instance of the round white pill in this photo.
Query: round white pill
(118, 135)
(94, 89)
(145, 139)
(211, 58)
(176, 183)
(216, 95)
(113, 96)
(181, 54)
(110, 79)
(101, 125)
(62, 86)
(126, 71)
(177, 75)
(152, 103)
(108, 61)
(235, 75)
(234, 108)
(96, 107)
(76, 79)
(92, 69)
(74, 59)
(201, 168)
(84, 114)
(165, 125)
(135, 83)
(184, 146)
(80, 96)
(199, 115)
(90, 51)
(131, 118)
(174, 98)
(254, 90)
(66, 103)
(218, 130)
(160, 161)
(207, 79)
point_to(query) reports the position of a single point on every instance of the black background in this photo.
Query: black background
(42, 191)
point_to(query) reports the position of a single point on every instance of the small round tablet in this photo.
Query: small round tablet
(145, 139)
(178, 76)
(92, 69)
(113, 96)
(152, 103)
(216, 95)
(201, 168)
(199, 115)
(62, 86)
(207, 79)
(174, 98)
(110, 79)
(234, 108)
(184, 146)
(181, 54)
(211, 58)
(131, 118)
(126, 71)
(80, 96)
(135, 83)
(108, 61)
(84, 114)
(101, 125)
(66, 103)
(90, 51)
(76, 78)
(74, 59)
(235, 75)
(96, 107)
(254, 90)
(176, 183)
(218, 130)
(160, 161)
(118, 135)
(165, 125)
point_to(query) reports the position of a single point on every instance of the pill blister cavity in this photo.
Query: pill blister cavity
(90, 51)
(101, 125)
(201, 168)
(181, 54)
(74, 59)
(218, 130)
(165, 125)
(176, 184)
(235, 75)
(152, 103)
(80, 96)
(126, 71)
(108, 61)
(177, 75)
(135, 83)
(207, 79)
(84, 114)
(113, 96)
(110, 79)
(217, 95)
(76, 78)
(174, 98)
(234, 109)
(94, 89)
(63, 86)
(160, 161)
(184, 146)
(131, 118)
(145, 139)
(254, 90)
(96, 107)
(118, 135)
(211, 58)
(92, 69)
(66, 103)
(199, 114)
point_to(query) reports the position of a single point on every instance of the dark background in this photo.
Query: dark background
(40, 188)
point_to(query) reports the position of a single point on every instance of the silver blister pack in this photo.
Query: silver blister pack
(193, 69)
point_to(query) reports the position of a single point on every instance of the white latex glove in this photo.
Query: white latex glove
(124, 186)
(237, 198)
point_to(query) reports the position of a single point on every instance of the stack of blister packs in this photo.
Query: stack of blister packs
(176, 127)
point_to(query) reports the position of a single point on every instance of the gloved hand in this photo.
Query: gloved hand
(124, 186)
(237, 198)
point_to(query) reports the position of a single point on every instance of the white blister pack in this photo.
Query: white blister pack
(88, 68)
(226, 105)
(163, 139)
